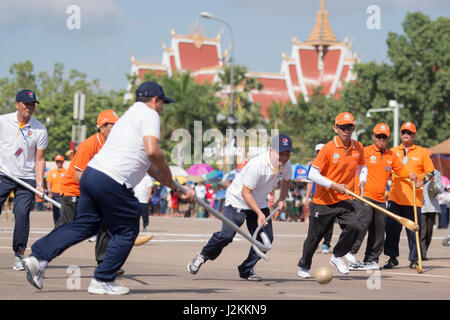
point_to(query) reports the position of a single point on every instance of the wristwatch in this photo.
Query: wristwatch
(39, 184)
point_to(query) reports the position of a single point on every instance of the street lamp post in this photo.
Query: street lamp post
(207, 15)
(394, 107)
(231, 119)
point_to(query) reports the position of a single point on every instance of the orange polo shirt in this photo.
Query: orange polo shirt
(340, 165)
(85, 152)
(54, 177)
(379, 166)
(416, 160)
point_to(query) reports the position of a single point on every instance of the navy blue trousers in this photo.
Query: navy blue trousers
(394, 228)
(101, 198)
(23, 202)
(222, 238)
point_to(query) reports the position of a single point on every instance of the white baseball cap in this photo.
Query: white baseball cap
(318, 147)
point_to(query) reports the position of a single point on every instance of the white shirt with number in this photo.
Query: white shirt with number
(259, 176)
(18, 146)
(123, 157)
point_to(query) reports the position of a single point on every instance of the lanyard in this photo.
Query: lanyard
(23, 135)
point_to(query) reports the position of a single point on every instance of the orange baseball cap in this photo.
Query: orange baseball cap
(59, 158)
(382, 128)
(344, 118)
(408, 126)
(107, 116)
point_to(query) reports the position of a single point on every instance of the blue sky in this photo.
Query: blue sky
(36, 30)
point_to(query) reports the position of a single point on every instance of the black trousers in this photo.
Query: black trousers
(373, 221)
(428, 221)
(55, 209)
(320, 220)
(394, 228)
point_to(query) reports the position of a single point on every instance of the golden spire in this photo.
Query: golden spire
(322, 34)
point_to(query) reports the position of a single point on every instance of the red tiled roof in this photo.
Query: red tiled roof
(194, 59)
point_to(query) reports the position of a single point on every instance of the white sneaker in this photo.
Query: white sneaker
(356, 266)
(35, 273)
(371, 266)
(93, 238)
(350, 258)
(18, 265)
(196, 262)
(303, 273)
(102, 287)
(339, 264)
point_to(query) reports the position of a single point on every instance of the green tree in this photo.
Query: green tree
(421, 67)
(55, 93)
(193, 102)
(247, 112)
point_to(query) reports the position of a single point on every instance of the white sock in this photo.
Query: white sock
(43, 264)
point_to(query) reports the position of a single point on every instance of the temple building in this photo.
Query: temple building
(320, 60)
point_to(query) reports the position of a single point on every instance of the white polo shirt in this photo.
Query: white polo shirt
(18, 146)
(259, 176)
(123, 156)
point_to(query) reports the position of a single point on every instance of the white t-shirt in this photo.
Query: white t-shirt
(142, 189)
(18, 146)
(259, 176)
(200, 191)
(123, 157)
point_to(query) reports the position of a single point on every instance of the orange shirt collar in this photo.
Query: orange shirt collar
(339, 144)
(413, 146)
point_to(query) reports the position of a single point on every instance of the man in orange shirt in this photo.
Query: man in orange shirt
(334, 170)
(401, 201)
(380, 162)
(70, 185)
(54, 179)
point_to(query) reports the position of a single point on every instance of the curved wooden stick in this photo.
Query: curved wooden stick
(411, 225)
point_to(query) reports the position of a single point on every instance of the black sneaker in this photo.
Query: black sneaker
(391, 263)
(413, 264)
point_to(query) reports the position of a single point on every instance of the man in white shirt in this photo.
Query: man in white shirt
(23, 141)
(106, 192)
(246, 200)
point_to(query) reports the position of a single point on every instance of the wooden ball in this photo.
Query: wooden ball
(323, 275)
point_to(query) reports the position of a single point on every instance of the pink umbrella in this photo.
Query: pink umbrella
(199, 169)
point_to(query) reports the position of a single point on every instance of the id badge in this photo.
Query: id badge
(18, 152)
(405, 160)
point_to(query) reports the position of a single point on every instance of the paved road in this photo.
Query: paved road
(157, 270)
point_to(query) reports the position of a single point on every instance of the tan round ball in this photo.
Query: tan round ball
(323, 275)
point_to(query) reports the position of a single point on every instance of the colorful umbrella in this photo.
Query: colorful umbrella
(214, 176)
(178, 171)
(199, 169)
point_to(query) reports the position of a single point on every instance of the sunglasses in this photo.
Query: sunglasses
(346, 127)
(381, 137)
(403, 132)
